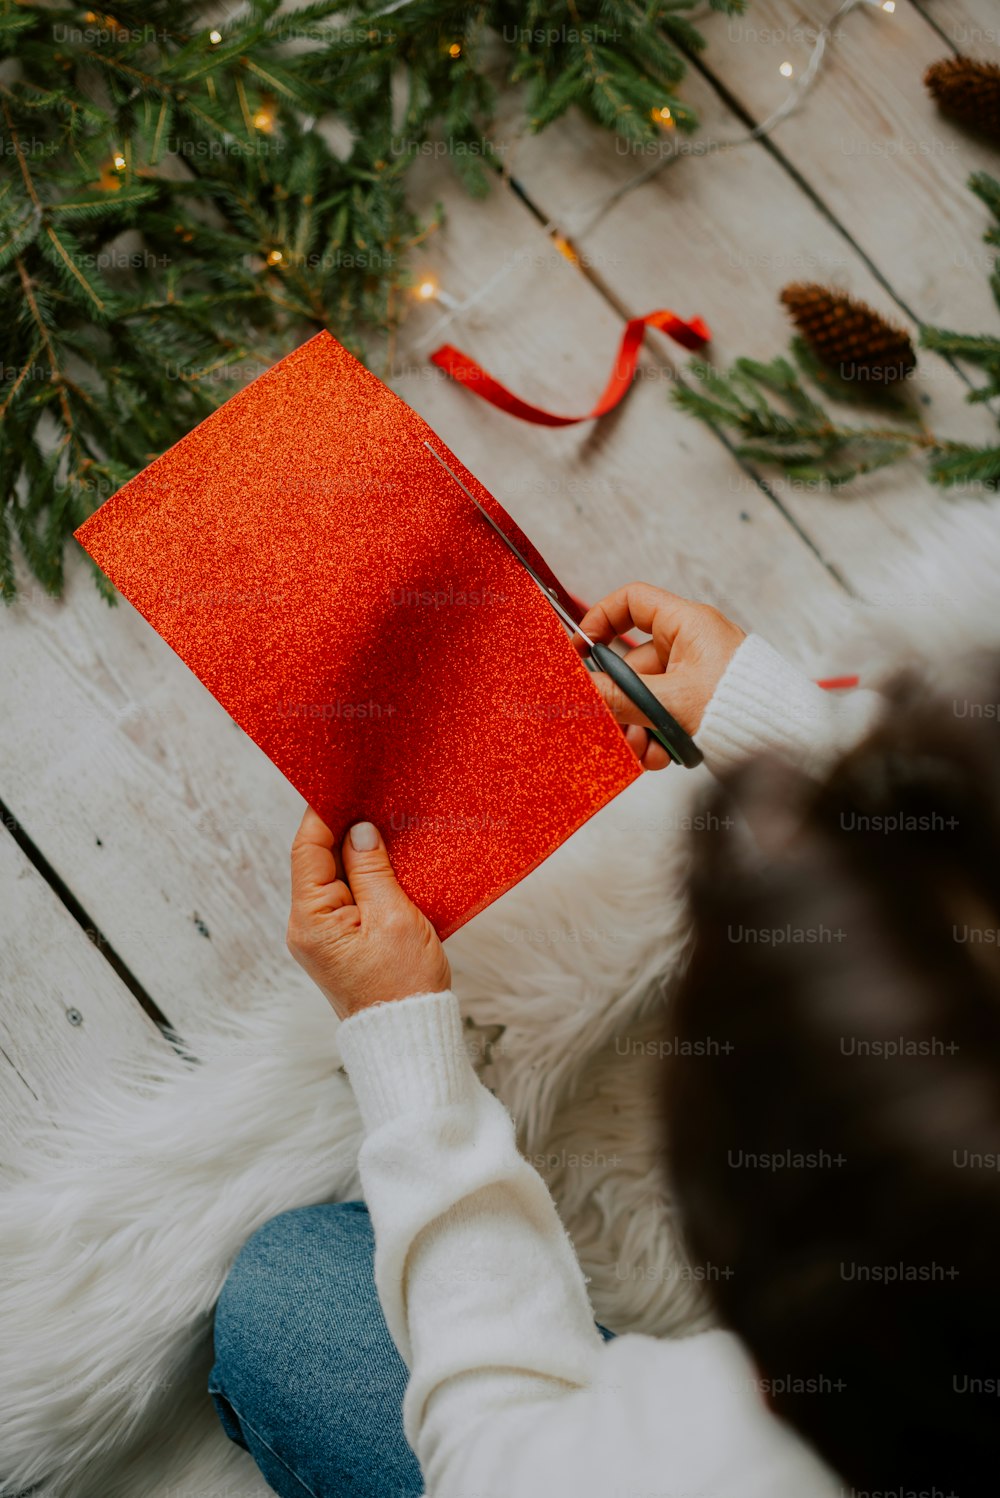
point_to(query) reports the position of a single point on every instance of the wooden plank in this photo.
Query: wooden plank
(63, 1011)
(172, 826)
(678, 240)
(971, 26)
(870, 142)
(162, 817)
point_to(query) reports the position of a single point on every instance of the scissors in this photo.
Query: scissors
(665, 730)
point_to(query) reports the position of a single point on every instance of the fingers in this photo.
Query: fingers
(640, 606)
(645, 660)
(316, 871)
(655, 757)
(368, 870)
(324, 879)
(648, 751)
(623, 707)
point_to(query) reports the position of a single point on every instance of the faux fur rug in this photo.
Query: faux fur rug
(116, 1234)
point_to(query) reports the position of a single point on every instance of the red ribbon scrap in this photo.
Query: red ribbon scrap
(690, 335)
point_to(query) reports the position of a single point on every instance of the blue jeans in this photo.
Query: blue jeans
(306, 1376)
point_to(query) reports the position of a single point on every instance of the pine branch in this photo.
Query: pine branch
(246, 231)
(987, 189)
(980, 349)
(976, 348)
(966, 466)
(778, 422)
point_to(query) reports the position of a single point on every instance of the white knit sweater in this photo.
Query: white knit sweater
(512, 1392)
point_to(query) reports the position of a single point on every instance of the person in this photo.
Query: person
(438, 1338)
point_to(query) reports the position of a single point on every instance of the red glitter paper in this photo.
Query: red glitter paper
(310, 560)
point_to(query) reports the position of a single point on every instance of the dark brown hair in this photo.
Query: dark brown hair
(836, 1153)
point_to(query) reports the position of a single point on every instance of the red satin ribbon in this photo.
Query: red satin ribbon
(691, 335)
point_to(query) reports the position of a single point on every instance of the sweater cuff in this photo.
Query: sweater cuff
(763, 703)
(406, 1056)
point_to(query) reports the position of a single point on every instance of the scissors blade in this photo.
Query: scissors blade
(547, 592)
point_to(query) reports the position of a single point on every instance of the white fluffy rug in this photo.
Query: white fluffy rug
(116, 1235)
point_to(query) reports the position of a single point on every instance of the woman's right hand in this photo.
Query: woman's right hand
(682, 664)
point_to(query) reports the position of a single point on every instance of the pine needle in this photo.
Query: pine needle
(246, 229)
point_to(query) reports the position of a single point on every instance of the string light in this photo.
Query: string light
(120, 163)
(264, 120)
(275, 257)
(428, 290)
(455, 50)
(565, 249)
(215, 37)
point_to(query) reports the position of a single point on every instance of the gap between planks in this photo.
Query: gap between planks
(65, 1014)
(76, 911)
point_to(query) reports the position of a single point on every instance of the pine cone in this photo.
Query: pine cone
(849, 336)
(968, 91)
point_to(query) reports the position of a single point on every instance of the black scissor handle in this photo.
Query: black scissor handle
(676, 741)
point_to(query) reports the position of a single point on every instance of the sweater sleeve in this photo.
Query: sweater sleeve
(481, 1289)
(512, 1391)
(764, 704)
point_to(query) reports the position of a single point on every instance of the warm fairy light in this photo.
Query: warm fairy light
(120, 163)
(565, 249)
(264, 120)
(786, 70)
(455, 50)
(106, 22)
(215, 37)
(664, 115)
(275, 257)
(429, 290)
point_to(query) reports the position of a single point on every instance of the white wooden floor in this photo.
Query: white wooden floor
(144, 842)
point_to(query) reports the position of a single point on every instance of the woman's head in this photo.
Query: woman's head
(836, 1154)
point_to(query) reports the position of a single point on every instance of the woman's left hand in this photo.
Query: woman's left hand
(358, 936)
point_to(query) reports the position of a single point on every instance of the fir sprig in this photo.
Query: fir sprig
(776, 413)
(778, 422)
(173, 199)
